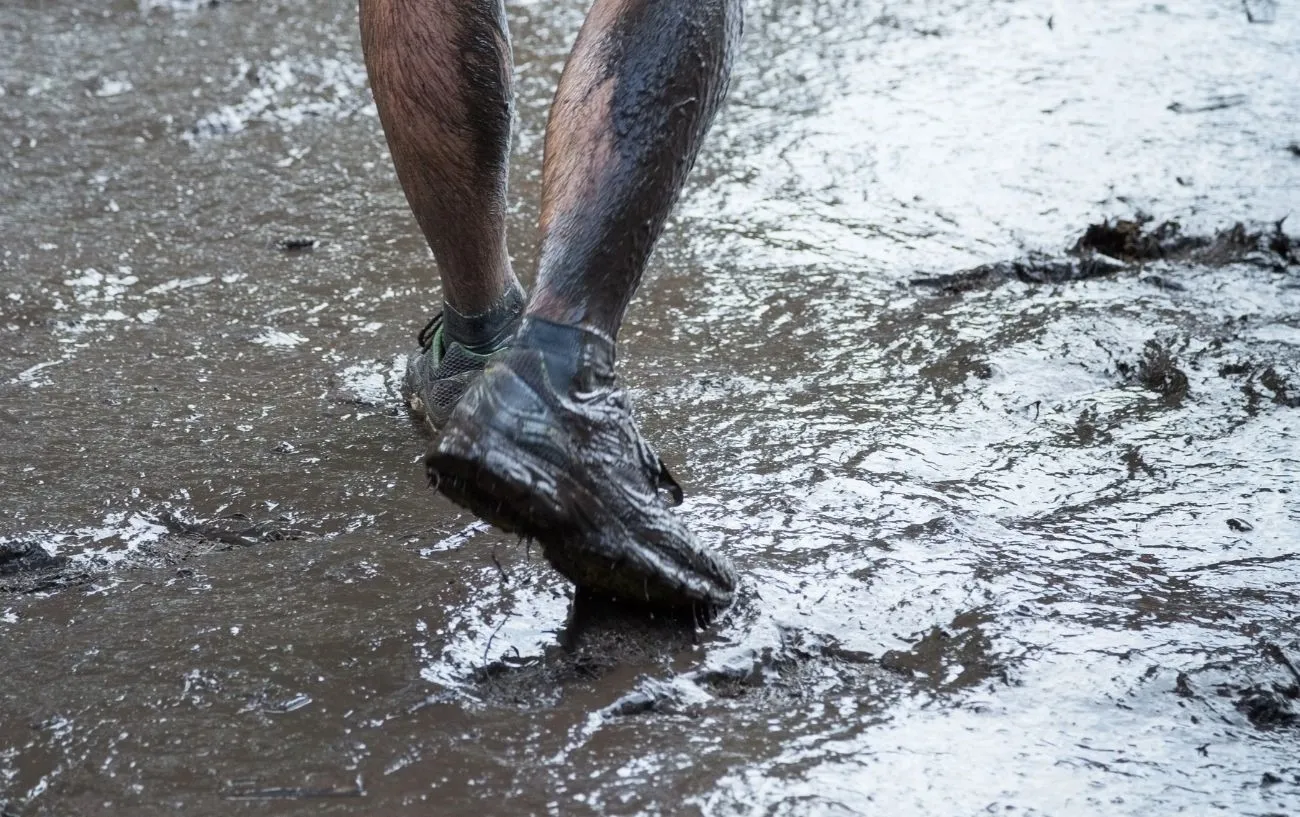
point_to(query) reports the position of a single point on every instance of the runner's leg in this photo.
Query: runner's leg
(543, 443)
(637, 95)
(440, 73)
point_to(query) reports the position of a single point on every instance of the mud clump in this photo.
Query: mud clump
(1269, 707)
(1268, 378)
(1110, 247)
(1134, 242)
(294, 245)
(1272, 705)
(1281, 388)
(1158, 371)
(24, 557)
(27, 567)
(1130, 240)
(1134, 462)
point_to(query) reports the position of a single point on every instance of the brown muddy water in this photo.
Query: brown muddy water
(1019, 528)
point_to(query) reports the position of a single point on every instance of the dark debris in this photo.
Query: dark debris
(1110, 247)
(1158, 371)
(1272, 705)
(235, 530)
(25, 556)
(297, 244)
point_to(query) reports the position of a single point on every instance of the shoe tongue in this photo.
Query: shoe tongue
(487, 330)
(576, 357)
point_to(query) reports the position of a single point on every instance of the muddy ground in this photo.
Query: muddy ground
(976, 344)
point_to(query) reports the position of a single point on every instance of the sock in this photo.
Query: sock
(486, 331)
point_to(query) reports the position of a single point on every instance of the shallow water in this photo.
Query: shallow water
(985, 567)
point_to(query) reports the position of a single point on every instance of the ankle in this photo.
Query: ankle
(488, 329)
(594, 315)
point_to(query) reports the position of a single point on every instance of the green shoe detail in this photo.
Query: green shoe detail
(438, 374)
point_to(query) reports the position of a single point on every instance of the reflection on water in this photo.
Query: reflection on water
(1015, 548)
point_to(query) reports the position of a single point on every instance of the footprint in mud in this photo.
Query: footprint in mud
(652, 665)
(528, 647)
(600, 641)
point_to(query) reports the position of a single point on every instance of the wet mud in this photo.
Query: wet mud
(1008, 467)
(1111, 248)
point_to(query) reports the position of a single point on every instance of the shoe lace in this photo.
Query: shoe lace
(658, 472)
(652, 465)
(429, 332)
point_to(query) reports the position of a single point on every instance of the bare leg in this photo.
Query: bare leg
(637, 95)
(440, 72)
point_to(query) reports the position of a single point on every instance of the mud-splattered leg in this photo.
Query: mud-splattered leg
(636, 98)
(544, 443)
(440, 73)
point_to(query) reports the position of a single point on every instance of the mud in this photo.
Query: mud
(1111, 248)
(1019, 541)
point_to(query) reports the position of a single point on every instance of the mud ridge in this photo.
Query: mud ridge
(1274, 704)
(27, 566)
(1112, 247)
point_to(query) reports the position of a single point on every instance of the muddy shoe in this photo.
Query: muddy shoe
(544, 445)
(454, 348)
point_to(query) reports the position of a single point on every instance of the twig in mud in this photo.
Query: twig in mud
(253, 533)
(1275, 652)
(505, 577)
(1213, 103)
(488, 647)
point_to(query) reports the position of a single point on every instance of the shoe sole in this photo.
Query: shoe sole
(586, 541)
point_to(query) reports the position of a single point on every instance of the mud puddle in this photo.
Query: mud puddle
(1021, 538)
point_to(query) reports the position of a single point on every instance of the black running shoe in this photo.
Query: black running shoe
(544, 445)
(454, 348)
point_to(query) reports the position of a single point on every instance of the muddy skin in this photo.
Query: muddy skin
(879, 460)
(544, 445)
(637, 96)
